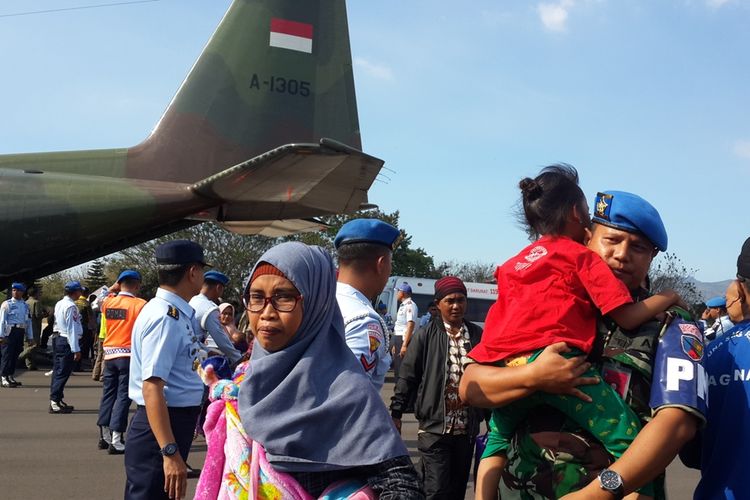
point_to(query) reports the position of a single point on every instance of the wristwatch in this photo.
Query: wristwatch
(611, 481)
(170, 449)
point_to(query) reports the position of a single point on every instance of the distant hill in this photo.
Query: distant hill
(711, 289)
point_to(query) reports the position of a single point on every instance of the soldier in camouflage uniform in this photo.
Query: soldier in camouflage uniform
(549, 455)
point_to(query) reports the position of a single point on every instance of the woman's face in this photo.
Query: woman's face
(227, 316)
(274, 330)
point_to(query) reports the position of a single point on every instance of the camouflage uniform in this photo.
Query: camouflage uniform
(549, 455)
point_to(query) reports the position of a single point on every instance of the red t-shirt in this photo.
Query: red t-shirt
(548, 293)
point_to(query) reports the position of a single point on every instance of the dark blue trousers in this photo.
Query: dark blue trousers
(11, 348)
(144, 465)
(113, 409)
(62, 366)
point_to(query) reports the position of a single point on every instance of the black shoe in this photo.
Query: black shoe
(8, 383)
(13, 379)
(65, 405)
(193, 473)
(102, 444)
(116, 451)
(57, 408)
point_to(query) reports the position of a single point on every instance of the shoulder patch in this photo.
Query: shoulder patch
(172, 312)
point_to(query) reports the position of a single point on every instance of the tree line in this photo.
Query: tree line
(235, 254)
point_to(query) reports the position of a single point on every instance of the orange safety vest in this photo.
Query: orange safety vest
(119, 313)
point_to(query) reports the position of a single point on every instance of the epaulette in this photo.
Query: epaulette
(172, 312)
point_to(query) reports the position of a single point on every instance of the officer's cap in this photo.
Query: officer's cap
(180, 252)
(404, 287)
(631, 213)
(129, 274)
(18, 286)
(716, 302)
(367, 231)
(216, 276)
(73, 286)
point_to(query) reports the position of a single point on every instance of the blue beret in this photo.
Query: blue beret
(631, 213)
(716, 302)
(179, 252)
(367, 231)
(72, 286)
(129, 274)
(18, 286)
(216, 276)
(221, 366)
(404, 287)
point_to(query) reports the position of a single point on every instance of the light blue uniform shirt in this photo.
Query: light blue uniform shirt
(15, 313)
(407, 312)
(726, 437)
(207, 319)
(68, 322)
(721, 325)
(166, 346)
(366, 333)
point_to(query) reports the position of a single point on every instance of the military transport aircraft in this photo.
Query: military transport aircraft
(262, 136)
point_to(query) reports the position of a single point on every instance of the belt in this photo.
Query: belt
(175, 409)
(22, 327)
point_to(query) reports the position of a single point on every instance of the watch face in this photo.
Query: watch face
(610, 479)
(170, 449)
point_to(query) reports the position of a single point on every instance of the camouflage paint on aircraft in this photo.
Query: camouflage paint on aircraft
(262, 135)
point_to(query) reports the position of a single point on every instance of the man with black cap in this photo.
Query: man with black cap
(15, 326)
(726, 437)
(432, 369)
(66, 349)
(365, 248)
(207, 319)
(163, 378)
(119, 312)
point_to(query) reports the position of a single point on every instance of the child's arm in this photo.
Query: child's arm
(631, 316)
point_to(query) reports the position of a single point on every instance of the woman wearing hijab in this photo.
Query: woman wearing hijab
(226, 317)
(306, 407)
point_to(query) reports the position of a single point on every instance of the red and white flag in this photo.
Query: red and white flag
(291, 35)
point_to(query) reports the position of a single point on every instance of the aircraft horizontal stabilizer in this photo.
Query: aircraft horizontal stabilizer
(294, 181)
(274, 228)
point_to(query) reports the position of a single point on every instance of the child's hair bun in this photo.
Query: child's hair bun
(530, 189)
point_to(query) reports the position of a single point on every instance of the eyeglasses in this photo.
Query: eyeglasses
(282, 302)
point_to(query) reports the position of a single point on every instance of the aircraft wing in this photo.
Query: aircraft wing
(293, 181)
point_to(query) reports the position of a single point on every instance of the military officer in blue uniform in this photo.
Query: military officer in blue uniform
(65, 345)
(15, 325)
(164, 382)
(208, 325)
(722, 457)
(365, 248)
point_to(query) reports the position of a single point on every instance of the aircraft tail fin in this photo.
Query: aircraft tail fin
(274, 72)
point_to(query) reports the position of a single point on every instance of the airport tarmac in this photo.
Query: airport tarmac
(55, 456)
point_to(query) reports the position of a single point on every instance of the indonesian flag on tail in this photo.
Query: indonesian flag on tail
(291, 35)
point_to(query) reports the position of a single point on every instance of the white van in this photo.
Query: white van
(480, 296)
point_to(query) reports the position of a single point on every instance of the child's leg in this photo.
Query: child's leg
(607, 417)
(488, 477)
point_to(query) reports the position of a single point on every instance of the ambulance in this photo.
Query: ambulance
(480, 297)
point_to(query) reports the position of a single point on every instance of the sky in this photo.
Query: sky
(461, 100)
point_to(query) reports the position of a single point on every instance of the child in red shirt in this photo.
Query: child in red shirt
(552, 292)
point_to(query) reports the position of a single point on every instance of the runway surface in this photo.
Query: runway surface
(55, 456)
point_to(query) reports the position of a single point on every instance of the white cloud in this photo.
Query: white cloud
(554, 16)
(742, 149)
(375, 70)
(716, 4)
